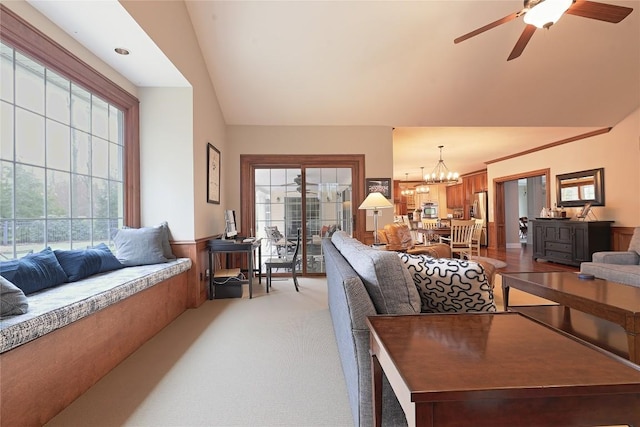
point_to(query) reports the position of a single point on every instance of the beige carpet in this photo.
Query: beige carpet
(268, 361)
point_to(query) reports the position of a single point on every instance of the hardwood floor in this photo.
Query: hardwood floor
(520, 259)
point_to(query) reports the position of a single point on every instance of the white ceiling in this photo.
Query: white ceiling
(394, 63)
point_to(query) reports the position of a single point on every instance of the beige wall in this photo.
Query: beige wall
(166, 159)
(374, 142)
(618, 152)
(169, 26)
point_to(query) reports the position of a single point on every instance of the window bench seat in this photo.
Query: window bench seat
(76, 333)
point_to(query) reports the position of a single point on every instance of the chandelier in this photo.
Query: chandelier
(423, 188)
(441, 173)
(407, 191)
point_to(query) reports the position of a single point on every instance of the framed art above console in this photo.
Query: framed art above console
(577, 188)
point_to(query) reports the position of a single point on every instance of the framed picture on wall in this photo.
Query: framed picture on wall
(213, 174)
(381, 185)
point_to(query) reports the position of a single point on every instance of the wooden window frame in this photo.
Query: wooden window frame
(30, 41)
(250, 162)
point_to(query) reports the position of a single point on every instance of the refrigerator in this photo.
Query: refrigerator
(479, 210)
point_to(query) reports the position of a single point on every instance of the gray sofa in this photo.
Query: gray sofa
(617, 266)
(363, 282)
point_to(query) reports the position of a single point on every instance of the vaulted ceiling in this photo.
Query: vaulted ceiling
(394, 63)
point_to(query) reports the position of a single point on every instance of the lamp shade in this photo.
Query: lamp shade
(375, 201)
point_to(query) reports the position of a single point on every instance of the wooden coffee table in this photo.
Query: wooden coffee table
(610, 301)
(498, 369)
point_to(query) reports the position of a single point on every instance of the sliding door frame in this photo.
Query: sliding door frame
(250, 162)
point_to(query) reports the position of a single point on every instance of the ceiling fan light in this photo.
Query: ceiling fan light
(546, 13)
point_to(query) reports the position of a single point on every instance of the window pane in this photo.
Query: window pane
(100, 198)
(116, 162)
(59, 234)
(116, 199)
(58, 146)
(80, 108)
(101, 231)
(116, 125)
(100, 158)
(29, 84)
(58, 194)
(81, 232)
(29, 236)
(29, 192)
(6, 190)
(6, 131)
(80, 153)
(58, 98)
(29, 137)
(99, 118)
(6, 242)
(6, 73)
(80, 196)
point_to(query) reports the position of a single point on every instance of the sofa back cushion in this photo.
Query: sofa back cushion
(387, 281)
(449, 285)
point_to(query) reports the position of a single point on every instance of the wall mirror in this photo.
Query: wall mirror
(577, 188)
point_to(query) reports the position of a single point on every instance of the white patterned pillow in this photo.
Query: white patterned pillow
(450, 285)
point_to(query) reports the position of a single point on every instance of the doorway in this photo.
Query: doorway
(510, 197)
(313, 194)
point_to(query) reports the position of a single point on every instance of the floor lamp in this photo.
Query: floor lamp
(374, 202)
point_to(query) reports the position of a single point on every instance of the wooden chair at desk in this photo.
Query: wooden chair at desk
(284, 262)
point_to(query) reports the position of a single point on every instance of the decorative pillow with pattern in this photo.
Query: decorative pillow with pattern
(450, 285)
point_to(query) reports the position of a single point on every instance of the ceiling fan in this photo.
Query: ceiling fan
(544, 13)
(297, 181)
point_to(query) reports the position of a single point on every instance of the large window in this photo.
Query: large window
(65, 142)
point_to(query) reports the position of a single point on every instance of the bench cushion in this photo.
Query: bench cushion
(57, 307)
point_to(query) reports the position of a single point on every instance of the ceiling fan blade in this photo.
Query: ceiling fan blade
(488, 27)
(600, 11)
(522, 42)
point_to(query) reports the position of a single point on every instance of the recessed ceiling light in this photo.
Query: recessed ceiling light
(122, 51)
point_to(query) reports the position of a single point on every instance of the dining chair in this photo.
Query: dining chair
(429, 224)
(460, 238)
(477, 236)
(287, 262)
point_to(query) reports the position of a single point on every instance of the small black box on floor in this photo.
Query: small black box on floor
(227, 291)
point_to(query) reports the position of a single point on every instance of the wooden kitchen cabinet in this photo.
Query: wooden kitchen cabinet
(455, 196)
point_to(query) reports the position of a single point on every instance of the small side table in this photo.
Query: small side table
(234, 246)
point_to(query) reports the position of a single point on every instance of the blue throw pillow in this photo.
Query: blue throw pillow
(34, 272)
(81, 263)
(108, 260)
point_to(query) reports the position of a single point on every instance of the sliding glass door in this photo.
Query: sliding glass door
(316, 201)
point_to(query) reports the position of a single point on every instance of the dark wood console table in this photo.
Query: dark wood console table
(567, 241)
(485, 369)
(235, 246)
